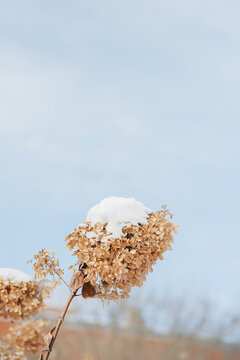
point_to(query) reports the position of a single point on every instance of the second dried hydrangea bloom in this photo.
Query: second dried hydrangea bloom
(26, 336)
(20, 296)
(113, 265)
(11, 355)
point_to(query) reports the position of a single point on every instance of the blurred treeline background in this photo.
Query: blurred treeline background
(149, 328)
(154, 329)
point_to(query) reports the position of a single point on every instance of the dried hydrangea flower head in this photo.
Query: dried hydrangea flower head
(118, 245)
(26, 336)
(20, 296)
(45, 265)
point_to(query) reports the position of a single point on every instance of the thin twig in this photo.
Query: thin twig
(62, 280)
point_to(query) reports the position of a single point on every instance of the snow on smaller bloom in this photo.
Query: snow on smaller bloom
(118, 212)
(14, 275)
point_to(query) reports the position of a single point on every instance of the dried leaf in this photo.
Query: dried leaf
(76, 281)
(88, 290)
(49, 336)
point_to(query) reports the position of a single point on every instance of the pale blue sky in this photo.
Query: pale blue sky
(129, 98)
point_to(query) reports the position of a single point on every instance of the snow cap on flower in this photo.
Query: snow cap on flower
(118, 212)
(14, 275)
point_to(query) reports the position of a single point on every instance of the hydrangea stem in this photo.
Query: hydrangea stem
(46, 352)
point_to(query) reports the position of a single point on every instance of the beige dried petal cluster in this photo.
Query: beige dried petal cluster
(26, 336)
(44, 264)
(20, 299)
(116, 265)
(10, 355)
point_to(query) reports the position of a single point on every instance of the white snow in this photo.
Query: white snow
(118, 212)
(14, 275)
